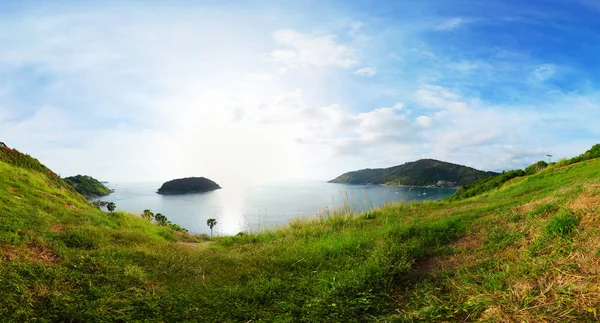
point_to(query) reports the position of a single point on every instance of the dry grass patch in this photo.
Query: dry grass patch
(35, 253)
(530, 206)
(57, 228)
(463, 251)
(587, 203)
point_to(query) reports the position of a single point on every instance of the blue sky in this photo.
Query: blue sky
(132, 90)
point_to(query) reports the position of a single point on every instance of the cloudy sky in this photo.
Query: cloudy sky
(288, 90)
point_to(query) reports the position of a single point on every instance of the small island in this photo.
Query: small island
(188, 185)
(88, 186)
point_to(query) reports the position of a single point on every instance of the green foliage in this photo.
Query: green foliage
(485, 185)
(594, 152)
(562, 224)
(160, 219)
(534, 168)
(188, 185)
(82, 238)
(543, 210)
(148, 215)
(111, 206)
(211, 224)
(422, 172)
(87, 186)
(24, 161)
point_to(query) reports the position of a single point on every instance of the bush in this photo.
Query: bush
(83, 239)
(533, 169)
(562, 224)
(594, 152)
(485, 185)
(160, 219)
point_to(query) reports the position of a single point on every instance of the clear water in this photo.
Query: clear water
(255, 208)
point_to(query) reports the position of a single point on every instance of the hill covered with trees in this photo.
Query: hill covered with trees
(87, 186)
(422, 172)
(188, 185)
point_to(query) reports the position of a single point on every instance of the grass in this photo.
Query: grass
(525, 251)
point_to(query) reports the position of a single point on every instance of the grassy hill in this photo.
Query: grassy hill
(87, 186)
(524, 250)
(422, 172)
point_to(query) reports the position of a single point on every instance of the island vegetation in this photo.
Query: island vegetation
(188, 185)
(424, 172)
(88, 186)
(523, 248)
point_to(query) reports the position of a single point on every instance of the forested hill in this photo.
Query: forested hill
(421, 172)
(88, 186)
(188, 185)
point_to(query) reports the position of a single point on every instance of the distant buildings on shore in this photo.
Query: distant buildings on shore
(443, 183)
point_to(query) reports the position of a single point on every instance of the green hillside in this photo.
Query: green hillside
(525, 250)
(87, 186)
(421, 173)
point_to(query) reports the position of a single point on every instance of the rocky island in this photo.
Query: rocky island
(188, 185)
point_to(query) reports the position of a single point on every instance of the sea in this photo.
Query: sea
(260, 207)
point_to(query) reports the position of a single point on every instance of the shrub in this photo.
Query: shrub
(148, 215)
(562, 224)
(533, 169)
(83, 239)
(160, 219)
(485, 185)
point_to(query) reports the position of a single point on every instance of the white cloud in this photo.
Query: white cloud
(543, 72)
(355, 28)
(424, 121)
(451, 24)
(311, 51)
(366, 71)
(435, 97)
(143, 84)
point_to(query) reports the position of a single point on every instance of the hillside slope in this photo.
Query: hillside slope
(524, 251)
(422, 172)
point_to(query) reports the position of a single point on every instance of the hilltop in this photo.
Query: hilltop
(422, 172)
(188, 185)
(87, 186)
(521, 248)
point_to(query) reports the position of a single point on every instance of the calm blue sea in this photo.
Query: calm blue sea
(255, 208)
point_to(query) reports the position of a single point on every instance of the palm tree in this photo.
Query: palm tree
(148, 215)
(160, 219)
(211, 223)
(111, 206)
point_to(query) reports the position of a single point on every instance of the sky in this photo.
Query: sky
(258, 91)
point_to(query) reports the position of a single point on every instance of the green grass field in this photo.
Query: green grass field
(528, 250)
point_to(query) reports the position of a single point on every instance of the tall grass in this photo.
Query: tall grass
(524, 252)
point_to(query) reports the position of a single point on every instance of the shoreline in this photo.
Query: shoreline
(397, 185)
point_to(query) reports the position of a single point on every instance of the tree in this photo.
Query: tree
(211, 224)
(148, 215)
(160, 219)
(111, 206)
